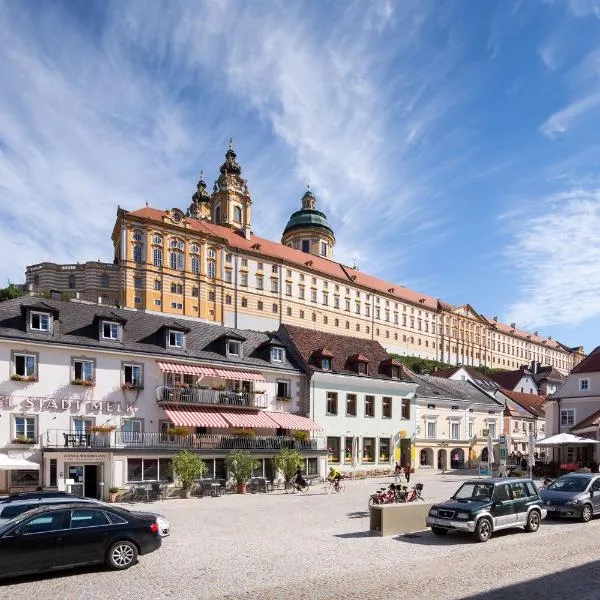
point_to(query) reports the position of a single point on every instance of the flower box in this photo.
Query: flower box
(83, 382)
(131, 387)
(283, 399)
(25, 378)
(102, 428)
(180, 431)
(23, 440)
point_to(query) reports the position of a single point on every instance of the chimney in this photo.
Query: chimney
(247, 231)
(76, 295)
(536, 333)
(495, 319)
(513, 325)
(55, 295)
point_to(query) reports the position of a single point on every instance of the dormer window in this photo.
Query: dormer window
(395, 373)
(362, 368)
(175, 339)
(111, 330)
(234, 348)
(277, 354)
(39, 321)
(326, 364)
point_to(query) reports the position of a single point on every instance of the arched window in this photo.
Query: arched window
(105, 280)
(138, 236)
(237, 214)
(177, 261)
(211, 264)
(195, 264)
(138, 253)
(157, 256)
(157, 239)
(195, 248)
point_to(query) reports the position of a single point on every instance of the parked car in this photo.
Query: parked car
(60, 536)
(573, 495)
(484, 506)
(16, 504)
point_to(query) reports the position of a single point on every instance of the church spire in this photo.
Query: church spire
(230, 165)
(200, 208)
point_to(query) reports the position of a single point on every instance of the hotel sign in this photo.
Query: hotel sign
(56, 404)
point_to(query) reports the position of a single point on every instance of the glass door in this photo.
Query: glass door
(76, 475)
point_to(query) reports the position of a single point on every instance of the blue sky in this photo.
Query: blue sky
(453, 145)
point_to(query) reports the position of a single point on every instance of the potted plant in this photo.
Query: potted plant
(21, 439)
(26, 378)
(241, 465)
(102, 428)
(187, 467)
(245, 432)
(300, 436)
(112, 493)
(84, 382)
(132, 387)
(178, 431)
(287, 462)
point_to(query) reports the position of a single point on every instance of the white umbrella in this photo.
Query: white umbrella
(531, 460)
(354, 452)
(564, 439)
(490, 449)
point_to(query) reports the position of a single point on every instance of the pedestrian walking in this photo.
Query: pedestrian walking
(407, 473)
(397, 472)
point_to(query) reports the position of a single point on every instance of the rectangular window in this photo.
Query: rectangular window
(350, 405)
(492, 429)
(313, 295)
(368, 450)
(288, 289)
(431, 430)
(386, 404)
(332, 403)
(244, 262)
(195, 292)
(176, 288)
(176, 339)
(137, 299)
(132, 375)
(148, 469)
(362, 368)
(259, 266)
(137, 283)
(158, 285)
(567, 417)
(301, 292)
(369, 406)
(131, 430)
(25, 365)
(584, 385)
(110, 330)
(244, 279)
(384, 450)
(348, 449)
(83, 370)
(25, 428)
(333, 449)
(39, 321)
(405, 408)
(336, 302)
(323, 248)
(283, 389)
(325, 299)
(274, 285)
(228, 276)
(454, 430)
(277, 354)
(470, 429)
(233, 348)
(305, 246)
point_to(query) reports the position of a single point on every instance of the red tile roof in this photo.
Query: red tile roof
(531, 402)
(590, 364)
(524, 335)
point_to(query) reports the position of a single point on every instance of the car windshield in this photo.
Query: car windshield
(569, 484)
(481, 492)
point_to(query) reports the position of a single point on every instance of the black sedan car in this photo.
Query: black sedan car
(76, 534)
(573, 495)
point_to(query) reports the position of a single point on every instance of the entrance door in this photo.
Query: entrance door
(442, 462)
(75, 473)
(90, 481)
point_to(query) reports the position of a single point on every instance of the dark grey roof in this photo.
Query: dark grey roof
(450, 389)
(77, 325)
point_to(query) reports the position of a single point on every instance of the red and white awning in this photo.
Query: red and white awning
(187, 416)
(202, 371)
(287, 420)
(253, 419)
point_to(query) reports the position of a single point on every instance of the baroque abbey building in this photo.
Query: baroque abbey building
(206, 263)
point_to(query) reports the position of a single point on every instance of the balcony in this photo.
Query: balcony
(194, 396)
(159, 440)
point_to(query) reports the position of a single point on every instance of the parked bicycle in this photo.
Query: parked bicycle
(396, 493)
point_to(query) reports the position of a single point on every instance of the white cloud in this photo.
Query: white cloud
(555, 255)
(564, 119)
(548, 54)
(584, 8)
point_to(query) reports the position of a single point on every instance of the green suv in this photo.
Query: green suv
(483, 506)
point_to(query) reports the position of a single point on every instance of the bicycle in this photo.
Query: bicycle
(415, 493)
(330, 486)
(291, 487)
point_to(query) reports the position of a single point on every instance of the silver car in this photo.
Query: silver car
(574, 495)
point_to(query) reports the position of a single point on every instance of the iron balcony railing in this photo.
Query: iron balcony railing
(197, 396)
(151, 439)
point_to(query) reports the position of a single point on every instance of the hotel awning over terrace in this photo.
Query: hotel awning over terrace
(287, 420)
(202, 371)
(188, 416)
(9, 463)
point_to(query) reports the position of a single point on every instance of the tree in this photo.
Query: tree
(10, 292)
(241, 465)
(287, 461)
(187, 467)
(420, 365)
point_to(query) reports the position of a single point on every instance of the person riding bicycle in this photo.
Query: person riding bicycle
(334, 477)
(299, 481)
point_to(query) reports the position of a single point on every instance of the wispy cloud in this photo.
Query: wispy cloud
(555, 256)
(564, 119)
(584, 8)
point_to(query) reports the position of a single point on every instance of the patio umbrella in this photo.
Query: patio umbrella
(354, 452)
(565, 439)
(490, 449)
(531, 460)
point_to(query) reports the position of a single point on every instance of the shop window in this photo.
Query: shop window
(368, 451)
(348, 443)
(369, 406)
(384, 449)
(333, 449)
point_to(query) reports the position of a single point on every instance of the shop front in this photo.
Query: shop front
(80, 473)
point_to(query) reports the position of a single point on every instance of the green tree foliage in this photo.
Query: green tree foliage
(241, 465)
(187, 467)
(287, 461)
(421, 365)
(10, 292)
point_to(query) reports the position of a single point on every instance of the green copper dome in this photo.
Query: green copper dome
(308, 217)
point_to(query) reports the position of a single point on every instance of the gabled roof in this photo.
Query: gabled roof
(78, 328)
(310, 343)
(548, 373)
(530, 402)
(590, 364)
(509, 379)
(592, 420)
(450, 389)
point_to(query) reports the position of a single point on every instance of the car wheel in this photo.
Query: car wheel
(533, 521)
(439, 530)
(121, 555)
(483, 530)
(586, 513)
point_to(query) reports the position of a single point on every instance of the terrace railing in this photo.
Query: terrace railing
(198, 396)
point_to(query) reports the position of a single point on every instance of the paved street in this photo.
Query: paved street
(318, 546)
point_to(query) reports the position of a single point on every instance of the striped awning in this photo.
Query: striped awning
(287, 420)
(254, 419)
(188, 416)
(202, 371)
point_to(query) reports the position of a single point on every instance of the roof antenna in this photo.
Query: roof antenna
(146, 203)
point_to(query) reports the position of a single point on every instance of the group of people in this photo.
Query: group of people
(399, 470)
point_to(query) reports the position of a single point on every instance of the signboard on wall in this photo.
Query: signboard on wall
(85, 456)
(55, 404)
